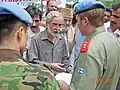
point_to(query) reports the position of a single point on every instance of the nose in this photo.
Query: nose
(67, 22)
(54, 8)
(57, 27)
(112, 18)
(34, 23)
(105, 17)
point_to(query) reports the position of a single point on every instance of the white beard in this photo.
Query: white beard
(53, 33)
(66, 29)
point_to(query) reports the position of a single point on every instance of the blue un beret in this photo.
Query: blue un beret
(85, 5)
(14, 9)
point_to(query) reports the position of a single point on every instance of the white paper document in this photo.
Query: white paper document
(66, 77)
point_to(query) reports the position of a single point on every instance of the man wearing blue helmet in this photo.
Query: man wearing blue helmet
(15, 73)
(98, 64)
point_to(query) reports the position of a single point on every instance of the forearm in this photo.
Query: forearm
(63, 85)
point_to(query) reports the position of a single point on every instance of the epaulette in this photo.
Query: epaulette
(85, 46)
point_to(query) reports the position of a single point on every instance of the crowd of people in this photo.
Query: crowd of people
(63, 49)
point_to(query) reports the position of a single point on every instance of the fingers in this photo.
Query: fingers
(61, 65)
(58, 67)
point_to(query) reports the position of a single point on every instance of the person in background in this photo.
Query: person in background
(49, 47)
(35, 27)
(68, 30)
(107, 17)
(15, 73)
(52, 5)
(97, 66)
(116, 19)
(78, 40)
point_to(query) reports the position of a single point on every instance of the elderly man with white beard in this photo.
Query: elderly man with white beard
(48, 47)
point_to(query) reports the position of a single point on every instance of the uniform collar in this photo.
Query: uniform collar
(9, 53)
(44, 35)
(97, 31)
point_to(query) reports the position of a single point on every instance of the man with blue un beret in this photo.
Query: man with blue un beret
(98, 64)
(15, 73)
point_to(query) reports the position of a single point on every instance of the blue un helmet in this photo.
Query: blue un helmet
(85, 5)
(8, 8)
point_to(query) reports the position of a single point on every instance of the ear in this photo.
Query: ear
(86, 21)
(20, 33)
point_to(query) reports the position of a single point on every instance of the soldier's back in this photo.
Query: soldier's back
(108, 47)
(15, 74)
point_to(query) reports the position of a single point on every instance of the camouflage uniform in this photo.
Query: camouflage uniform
(15, 74)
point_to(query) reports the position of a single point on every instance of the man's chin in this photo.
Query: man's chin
(35, 29)
(105, 21)
(55, 34)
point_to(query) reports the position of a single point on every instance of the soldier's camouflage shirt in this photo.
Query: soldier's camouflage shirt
(15, 74)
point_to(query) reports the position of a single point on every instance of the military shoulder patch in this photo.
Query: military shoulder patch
(85, 46)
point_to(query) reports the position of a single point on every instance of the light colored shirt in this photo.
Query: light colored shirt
(45, 51)
(98, 64)
(79, 39)
(31, 34)
(69, 38)
(117, 34)
(107, 26)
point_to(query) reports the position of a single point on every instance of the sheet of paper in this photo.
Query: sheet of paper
(66, 77)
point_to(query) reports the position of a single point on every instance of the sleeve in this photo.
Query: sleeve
(24, 76)
(43, 76)
(33, 53)
(33, 50)
(88, 71)
(72, 57)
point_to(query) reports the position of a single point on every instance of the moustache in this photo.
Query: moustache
(113, 22)
(34, 27)
(56, 31)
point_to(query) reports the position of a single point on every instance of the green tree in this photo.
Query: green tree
(116, 1)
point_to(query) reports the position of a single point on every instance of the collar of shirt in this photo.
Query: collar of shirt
(10, 53)
(45, 35)
(30, 33)
(117, 32)
(96, 31)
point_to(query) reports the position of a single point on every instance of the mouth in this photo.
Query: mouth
(34, 27)
(105, 20)
(55, 31)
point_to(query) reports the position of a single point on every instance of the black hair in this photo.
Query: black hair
(49, 1)
(33, 11)
(115, 6)
(9, 24)
(74, 4)
(108, 9)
